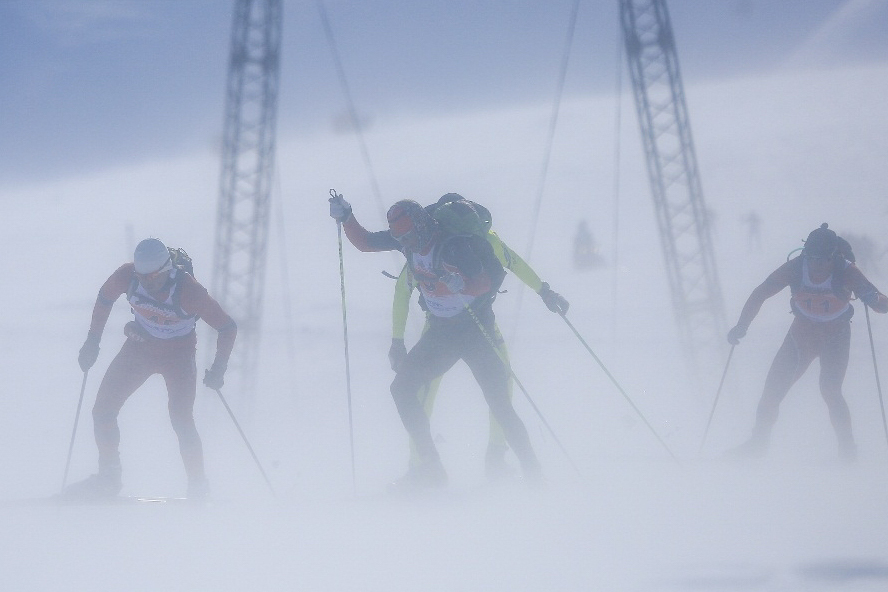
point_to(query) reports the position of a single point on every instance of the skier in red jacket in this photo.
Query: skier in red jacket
(822, 280)
(166, 302)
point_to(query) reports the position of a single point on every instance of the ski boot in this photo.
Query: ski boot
(496, 469)
(106, 484)
(847, 453)
(427, 476)
(533, 474)
(755, 447)
(198, 489)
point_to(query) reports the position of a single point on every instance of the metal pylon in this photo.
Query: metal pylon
(681, 213)
(246, 179)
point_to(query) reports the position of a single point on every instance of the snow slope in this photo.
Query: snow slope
(798, 149)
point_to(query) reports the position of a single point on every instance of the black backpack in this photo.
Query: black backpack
(846, 251)
(181, 260)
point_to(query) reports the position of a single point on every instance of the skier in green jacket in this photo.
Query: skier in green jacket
(495, 462)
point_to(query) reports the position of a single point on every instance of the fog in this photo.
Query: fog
(798, 146)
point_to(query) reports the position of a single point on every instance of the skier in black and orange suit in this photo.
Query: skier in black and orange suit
(166, 302)
(822, 281)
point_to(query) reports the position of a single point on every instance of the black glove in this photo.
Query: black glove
(134, 332)
(215, 376)
(736, 334)
(89, 353)
(869, 297)
(397, 353)
(340, 209)
(553, 300)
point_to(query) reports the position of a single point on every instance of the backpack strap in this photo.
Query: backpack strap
(133, 285)
(176, 293)
(795, 269)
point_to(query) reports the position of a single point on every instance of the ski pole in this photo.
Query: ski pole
(869, 329)
(244, 436)
(715, 402)
(351, 430)
(521, 386)
(619, 388)
(74, 431)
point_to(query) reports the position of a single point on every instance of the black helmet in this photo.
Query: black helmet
(822, 242)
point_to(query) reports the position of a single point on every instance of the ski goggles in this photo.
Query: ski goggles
(404, 230)
(819, 259)
(149, 277)
(406, 238)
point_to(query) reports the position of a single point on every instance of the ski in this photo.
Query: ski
(118, 500)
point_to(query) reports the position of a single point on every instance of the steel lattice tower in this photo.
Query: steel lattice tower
(246, 178)
(672, 170)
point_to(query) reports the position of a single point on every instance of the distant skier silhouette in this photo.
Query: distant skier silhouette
(753, 229)
(586, 254)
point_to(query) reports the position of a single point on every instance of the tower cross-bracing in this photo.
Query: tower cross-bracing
(246, 178)
(682, 217)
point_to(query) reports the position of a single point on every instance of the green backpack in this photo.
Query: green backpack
(460, 216)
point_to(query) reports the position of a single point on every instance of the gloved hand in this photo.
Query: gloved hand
(340, 209)
(215, 376)
(870, 297)
(553, 300)
(89, 352)
(454, 282)
(134, 332)
(397, 353)
(736, 334)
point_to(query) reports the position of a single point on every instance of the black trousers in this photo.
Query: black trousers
(447, 341)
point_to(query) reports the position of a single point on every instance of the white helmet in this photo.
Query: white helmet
(151, 255)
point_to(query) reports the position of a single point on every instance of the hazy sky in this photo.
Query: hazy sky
(87, 84)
